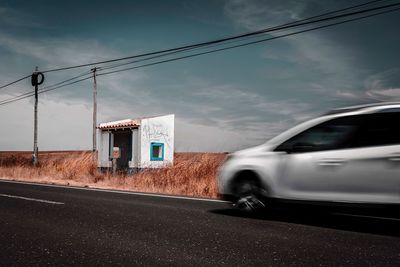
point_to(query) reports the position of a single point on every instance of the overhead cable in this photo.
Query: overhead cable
(284, 26)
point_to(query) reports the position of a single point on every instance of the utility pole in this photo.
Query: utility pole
(35, 82)
(94, 111)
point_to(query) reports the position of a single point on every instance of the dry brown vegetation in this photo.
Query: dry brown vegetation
(193, 174)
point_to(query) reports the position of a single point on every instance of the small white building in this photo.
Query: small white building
(142, 143)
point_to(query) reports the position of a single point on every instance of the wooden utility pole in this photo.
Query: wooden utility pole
(35, 135)
(35, 82)
(94, 111)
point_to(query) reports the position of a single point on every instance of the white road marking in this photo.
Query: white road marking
(117, 191)
(32, 199)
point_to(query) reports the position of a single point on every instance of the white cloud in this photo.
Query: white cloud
(347, 94)
(336, 63)
(210, 116)
(194, 137)
(378, 87)
(311, 53)
(61, 126)
(257, 14)
(13, 18)
(57, 52)
(230, 94)
(391, 94)
(378, 81)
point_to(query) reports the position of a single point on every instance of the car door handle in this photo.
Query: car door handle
(331, 162)
(394, 157)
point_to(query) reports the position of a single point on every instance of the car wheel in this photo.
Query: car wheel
(249, 196)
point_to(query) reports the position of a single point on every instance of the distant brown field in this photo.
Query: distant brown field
(193, 174)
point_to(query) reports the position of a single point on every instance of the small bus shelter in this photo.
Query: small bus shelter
(136, 143)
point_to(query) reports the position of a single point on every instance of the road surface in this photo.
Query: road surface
(43, 225)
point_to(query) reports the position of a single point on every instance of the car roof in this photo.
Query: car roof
(379, 105)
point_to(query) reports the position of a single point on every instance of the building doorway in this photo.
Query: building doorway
(123, 140)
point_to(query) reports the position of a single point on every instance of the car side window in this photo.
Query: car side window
(380, 129)
(334, 134)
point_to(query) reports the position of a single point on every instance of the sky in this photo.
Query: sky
(223, 101)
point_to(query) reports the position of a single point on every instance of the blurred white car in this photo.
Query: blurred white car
(349, 155)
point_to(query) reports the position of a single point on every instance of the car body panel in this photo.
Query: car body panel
(348, 175)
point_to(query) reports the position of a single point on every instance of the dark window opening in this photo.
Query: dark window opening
(157, 152)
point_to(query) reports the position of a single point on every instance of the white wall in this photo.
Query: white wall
(103, 147)
(134, 163)
(160, 130)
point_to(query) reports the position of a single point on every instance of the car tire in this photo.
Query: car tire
(249, 196)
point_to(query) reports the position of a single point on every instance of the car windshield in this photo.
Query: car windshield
(294, 130)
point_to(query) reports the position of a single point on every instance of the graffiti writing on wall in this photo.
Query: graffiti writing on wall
(156, 132)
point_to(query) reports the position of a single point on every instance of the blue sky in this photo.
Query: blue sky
(223, 101)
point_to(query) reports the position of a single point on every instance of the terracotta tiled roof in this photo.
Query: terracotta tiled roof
(129, 123)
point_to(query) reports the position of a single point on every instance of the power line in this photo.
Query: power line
(26, 95)
(284, 26)
(194, 46)
(54, 88)
(46, 88)
(63, 83)
(67, 80)
(193, 55)
(249, 43)
(244, 38)
(16, 81)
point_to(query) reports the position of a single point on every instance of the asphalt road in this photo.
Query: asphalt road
(41, 225)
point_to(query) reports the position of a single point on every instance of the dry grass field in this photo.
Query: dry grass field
(193, 174)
